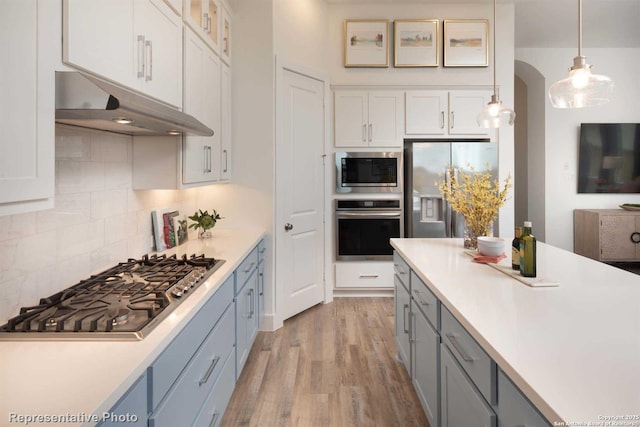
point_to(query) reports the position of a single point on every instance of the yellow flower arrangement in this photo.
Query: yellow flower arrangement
(477, 197)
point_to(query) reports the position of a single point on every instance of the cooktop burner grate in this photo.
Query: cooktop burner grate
(123, 302)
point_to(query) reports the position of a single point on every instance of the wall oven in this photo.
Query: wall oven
(364, 227)
(369, 172)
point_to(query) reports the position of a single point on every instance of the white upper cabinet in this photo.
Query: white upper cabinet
(225, 36)
(137, 43)
(436, 113)
(204, 17)
(368, 118)
(225, 122)
(27, 90)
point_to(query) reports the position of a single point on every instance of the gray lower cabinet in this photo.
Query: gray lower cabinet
(462, 404)
(246, 299)
(457, 382)
(403, 320)
(131, 409)
(515, 410)
(426, 364)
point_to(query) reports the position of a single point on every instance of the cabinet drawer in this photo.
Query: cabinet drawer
(164, 371)
(366, 274)
(473, 359)
(180, 405)
(513, 408)
(132, 404)
(425, 300)
(213, 409)
(401, 269)
(245, 268)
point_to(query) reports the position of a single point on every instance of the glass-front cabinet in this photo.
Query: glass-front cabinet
(203, 16)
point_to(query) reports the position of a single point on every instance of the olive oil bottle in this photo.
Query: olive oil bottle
(515, 249)
(527, 252)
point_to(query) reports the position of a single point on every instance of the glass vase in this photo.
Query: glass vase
(471, 235)
(204, 234)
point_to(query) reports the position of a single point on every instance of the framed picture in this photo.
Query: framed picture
(415, 42)
(366, 43)
(465, 43)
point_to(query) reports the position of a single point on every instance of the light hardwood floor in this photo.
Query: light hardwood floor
(332, 365)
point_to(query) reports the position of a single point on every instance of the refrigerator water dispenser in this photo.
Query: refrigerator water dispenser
(431, 209)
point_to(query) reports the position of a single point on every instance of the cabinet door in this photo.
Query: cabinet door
(351, 118)
(615, 238)
(425, 112)
(426, 365)
(26, 111)
(461, 404)
(464, 107)
(246, 321)
(107, 52)
(225, 122)
(386, 113)
(225, 36)
(514, 410)
(201, 155)
(403, 310)
(162, 31)
(131, 409)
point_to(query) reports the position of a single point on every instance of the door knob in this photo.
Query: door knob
(288, 227)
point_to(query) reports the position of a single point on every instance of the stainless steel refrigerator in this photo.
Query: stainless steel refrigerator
(426, 213)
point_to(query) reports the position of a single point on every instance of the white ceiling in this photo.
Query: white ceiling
(549, 23)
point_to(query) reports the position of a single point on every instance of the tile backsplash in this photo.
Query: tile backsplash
(98, 220)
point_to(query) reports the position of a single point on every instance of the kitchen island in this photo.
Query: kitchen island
(73, 380)
(572, 350)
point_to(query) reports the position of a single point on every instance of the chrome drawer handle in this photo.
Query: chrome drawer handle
(404, 318)
(207, 374)
(250, 267)
(422, 302)
(454, 341)
(214, 419)
(251, 304)
(369, 276)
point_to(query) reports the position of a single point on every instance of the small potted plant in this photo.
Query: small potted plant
(204, 221)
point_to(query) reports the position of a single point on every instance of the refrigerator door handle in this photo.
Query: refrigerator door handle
(447, 208)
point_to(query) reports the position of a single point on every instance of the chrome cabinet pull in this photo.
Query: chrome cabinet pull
(209, 25)
(412, 333)
(214, 419)
(207, 374)
(261, 292)
(369, 276)
(251, 304)
(206, 28)
(364, 133)
(226, 160)
(370, 132)
(149, 48)
(453, 116)
(250, 267)
(419, 298)
(404, 320)
(441, 119)
(140, 56)
(454, 341)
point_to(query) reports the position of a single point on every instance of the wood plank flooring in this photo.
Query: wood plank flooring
(332, 365)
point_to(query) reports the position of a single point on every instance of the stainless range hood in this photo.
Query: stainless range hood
(89, 102)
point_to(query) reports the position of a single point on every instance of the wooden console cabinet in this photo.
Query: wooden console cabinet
(607, 234)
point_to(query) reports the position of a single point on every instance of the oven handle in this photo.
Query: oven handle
(342, 214)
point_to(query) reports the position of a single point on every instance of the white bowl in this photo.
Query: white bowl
(490, 246)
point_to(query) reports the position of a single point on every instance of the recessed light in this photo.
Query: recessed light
(122, 120)
(173, 132)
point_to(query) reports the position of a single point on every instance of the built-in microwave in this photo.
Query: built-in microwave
(369, 172)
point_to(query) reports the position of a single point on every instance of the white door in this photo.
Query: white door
(386, 117)
(351, 110)
(426, 112)
(299, 194)
(464, 106)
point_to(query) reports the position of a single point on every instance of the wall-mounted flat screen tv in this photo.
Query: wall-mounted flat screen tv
(609, 158)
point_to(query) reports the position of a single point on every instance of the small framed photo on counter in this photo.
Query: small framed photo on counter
(415, 42)
(366, 43)
(466, 43)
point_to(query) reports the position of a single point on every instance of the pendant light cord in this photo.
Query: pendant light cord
(579, 27)
(494, 49)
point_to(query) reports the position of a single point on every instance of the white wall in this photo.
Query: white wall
(562, 132)
(438, 76)
(97, 221)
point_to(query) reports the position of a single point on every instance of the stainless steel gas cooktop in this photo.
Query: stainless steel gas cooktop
(124, 302)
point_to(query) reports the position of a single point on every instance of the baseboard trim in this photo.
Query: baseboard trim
(351, 293)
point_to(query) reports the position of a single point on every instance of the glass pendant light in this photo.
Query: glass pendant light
(581, 88)
(494, 114)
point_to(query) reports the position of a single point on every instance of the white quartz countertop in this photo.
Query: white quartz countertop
(573, 350)
(52, 378)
